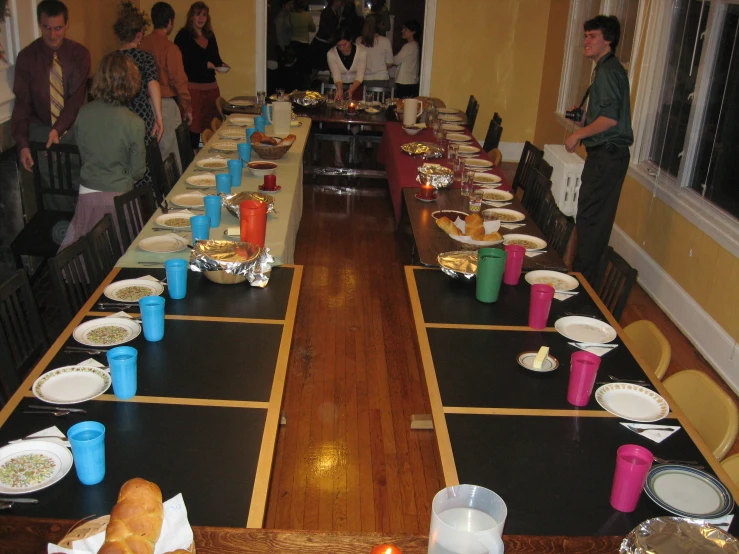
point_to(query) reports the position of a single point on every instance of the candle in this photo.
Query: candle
(352, 107)
(386, 549)
(427, 191)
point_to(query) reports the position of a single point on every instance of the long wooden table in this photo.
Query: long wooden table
(205, 417)
(512, 430)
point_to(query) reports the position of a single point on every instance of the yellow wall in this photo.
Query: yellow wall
(234, 24)
(494, 50)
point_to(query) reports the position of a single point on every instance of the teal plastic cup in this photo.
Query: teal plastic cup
(152, 317)
(244, 151)
(234, 170)
(200, 227)
(249, 132)
(223, 183)
(122, 362)
(260, 122)
(213, 205)
(87, 439)
(176, 269)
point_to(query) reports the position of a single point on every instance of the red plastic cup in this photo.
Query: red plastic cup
(632, 467)
(253, 221)
(583, 369)
(541, 301)
(270, 182)
(513, 263)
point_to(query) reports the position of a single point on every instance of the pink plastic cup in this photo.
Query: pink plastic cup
(583, 369)
(541, 301)
(513, 264)
(632, 467)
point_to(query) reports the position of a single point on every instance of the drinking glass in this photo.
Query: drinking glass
(443, 142)
(280, 93)
(437, 128)
(468, 178)
(261, 98)
(453, 152)
(458, 168)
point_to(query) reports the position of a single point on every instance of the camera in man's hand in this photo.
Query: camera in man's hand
(574, 114)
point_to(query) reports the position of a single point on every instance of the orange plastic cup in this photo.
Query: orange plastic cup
(253, 221)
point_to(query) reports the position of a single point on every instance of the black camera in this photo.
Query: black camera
(574, 115)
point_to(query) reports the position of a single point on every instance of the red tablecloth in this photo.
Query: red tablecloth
(401, 168)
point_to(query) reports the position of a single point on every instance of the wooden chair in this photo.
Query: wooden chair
(332, 132)
(731, 466)
(378, 94)
(106, 248)
(373, 94)
(708, 407)
(614, 281)
(497, 119)
(44, 231)
(651, 346)
(534, 196)
(495, 130)
(158, 175)
(206, 136)
(215, 124)
(557, 227)
(22, 336)
(133, 209)
(473, 106)
(74, 276)
(171, 171)
(184, 145)
(530, 158)
(220, 105)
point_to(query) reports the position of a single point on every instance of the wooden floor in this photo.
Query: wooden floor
(347, 459)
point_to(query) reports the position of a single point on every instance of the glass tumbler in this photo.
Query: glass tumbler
(468, 178)
(453, 152)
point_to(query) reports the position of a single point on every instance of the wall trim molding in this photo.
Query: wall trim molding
(708, 337)
(427, 53)
(511, 151)
(260, 46)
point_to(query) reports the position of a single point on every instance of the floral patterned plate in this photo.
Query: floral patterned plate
(106, 331)
(71, 384)
(30, 466)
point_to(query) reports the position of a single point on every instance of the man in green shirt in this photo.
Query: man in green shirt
(606, 135)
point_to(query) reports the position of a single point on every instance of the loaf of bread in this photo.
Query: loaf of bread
(473, 224)
(490, 237)
(136, 520)
(446, 225)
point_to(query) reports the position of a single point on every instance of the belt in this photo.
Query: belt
(610, 148)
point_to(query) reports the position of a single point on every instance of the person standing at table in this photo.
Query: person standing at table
(171, 77)
(406, 77)
(379, 54)
(606, 134)
(49, 88)
(111, 142)
(301, 26)
(147, 104)
(200, 56)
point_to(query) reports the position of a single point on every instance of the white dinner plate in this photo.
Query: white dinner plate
(232, 134)
(204, 180)
(504, 215)
(464, 239)
(92, 333)
(526, 359)
(585, 329)
(242, 103)
(466, 150)
(170, 220)
(452, 127)
(212, 163)
(487, 179)
(496, 196)
(189, 200)
(241, 121)
(632, 402)
(163, 244)
(688, 492)
(511, 238)
(119, 290)
(223, 146)
(478, 163)
(560, 281)
(449, 117)
(447, 110)
(71, 384)
(30, 466)
(458, 137)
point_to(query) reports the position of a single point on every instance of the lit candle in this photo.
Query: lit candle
(386, 549)
(352, 107)
(427, 191)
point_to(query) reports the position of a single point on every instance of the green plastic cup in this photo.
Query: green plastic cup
(490, 269)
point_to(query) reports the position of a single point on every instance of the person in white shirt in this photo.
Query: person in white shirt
(406, 78)
(379, 53)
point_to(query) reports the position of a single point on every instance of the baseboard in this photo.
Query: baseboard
(511, 151)
(711, 340)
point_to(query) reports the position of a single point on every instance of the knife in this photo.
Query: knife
(56, 408)
(20, 500)
(593, 344)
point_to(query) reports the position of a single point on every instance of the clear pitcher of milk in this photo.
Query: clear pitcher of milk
(467, 519)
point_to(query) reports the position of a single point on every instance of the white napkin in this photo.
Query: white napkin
(119, 314)
(490, 226)
(495, 204)
(54, 434)
(597, 350)
(151, 277)
(180, 212)
(720, 522)
(560, 296)
(533, 254)
(656, 433)
(512, 225)
(92, 362)
(176, 533)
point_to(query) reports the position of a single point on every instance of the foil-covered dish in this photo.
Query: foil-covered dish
(678, 535)
(233, 200)
(228, 262)
(306, 98)
(459, 264)
(436, 175)
(425, 149)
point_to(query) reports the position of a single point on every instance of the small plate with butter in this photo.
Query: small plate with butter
(540, 362)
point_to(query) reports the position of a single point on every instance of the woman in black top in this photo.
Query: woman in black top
(200, 56)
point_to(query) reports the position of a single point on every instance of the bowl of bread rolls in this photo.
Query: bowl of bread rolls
(271, 148)
(473, 232)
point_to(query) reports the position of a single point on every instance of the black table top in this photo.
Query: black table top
(207, 453)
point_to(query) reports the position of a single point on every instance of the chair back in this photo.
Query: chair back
(22, 336)
(215, 124)
(106, 248)
(74, 276)
(614, 281)
(378, 94)
(557, 227)
(206, 136)
(473, 106)
(329, 89)
(492, 138)
(708, 407)
(530, 158)
(156, 166)
(535, 192)
(58, 160)
(497, 119)
(171, 171)
(133, 209)
(184, 145)
(731, 466)
(220, 105)
(651, 346)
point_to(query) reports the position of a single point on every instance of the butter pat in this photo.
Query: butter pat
(541, 356)
(233, 231)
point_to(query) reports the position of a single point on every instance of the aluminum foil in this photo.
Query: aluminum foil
(238, 258)
(232, 201)
(426, 149)
(307, 98)
(677, 535)
(435, 175)
(458, 264)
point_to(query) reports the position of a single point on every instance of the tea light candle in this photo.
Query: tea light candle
(352, 107)
(427, 191)
(386, 549)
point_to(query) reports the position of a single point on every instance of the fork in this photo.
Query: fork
(632, 381)
(690, 463)
(60, 413)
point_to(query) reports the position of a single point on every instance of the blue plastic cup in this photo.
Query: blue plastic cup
(152, 317)
(176, 269)
(265, 111)
(260, 122)
(249, 132)
(244, 152)
(122, 363)
(200, 227)
(234, 170)
(87, 439)
(223, 183)
(213, 210)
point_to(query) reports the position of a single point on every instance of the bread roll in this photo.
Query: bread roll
(492, 236)
(136, 520)
(448, 227)
(473, 223)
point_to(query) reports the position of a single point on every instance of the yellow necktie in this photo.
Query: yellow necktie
(56, 89)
